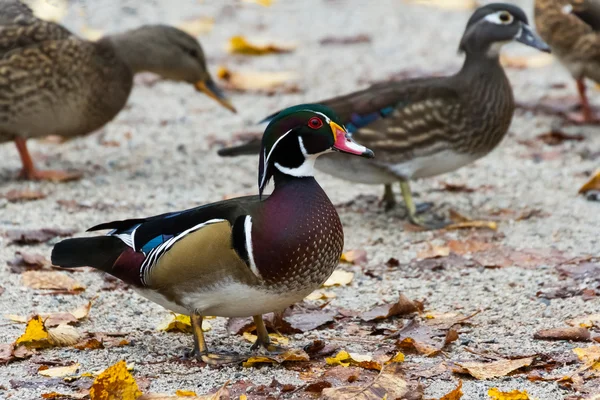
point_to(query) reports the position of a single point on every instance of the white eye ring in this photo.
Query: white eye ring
(500, 18)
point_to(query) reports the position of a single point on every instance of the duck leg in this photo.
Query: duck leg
(388, 199)
(585, 104)
(29, 171)
(201, 351)
(263, 339)
(412, 209)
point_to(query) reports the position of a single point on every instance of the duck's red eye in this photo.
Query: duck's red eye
(315, 123)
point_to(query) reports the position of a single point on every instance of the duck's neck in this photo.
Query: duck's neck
(482, 65)
(136, 51)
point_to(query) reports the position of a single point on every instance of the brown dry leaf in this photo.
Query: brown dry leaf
(34, 236)
(89, 344)
(27, 261)
(197, 26)
(576, 334)
(115, 383)
(289, 355)
(181, 323)
(306, 321)
(402, 307)
(356, 257)
(424, 338)
(472, 224)
(462, 247)
(365, 361)
(64, 335)
(59, 372)
(494, 369)
(16, 195)
(50, 280)
(61, 396)
(82, 311)
(57, 318)
(240, 45)
(590, 356)
(455, 394)
(587, 321)
(389, 384)
(35, 336)
(6, 353)
(555, 138)
(258, 81)
(221, 394)
(321, 295)
(536, 60)
(496, 394)
(339, 278)
(433, 251)
(592, 184)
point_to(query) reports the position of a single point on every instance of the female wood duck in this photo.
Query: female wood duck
(572, 29)
(239, 257)
(52, 82)
(426, 127)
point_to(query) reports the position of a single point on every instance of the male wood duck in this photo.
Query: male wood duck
(239, 257)
(572, 29)
(52, 82)
(425, 127)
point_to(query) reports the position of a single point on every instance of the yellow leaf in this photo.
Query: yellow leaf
(289, 355)
(239, 45)
(346, 359)
(341, 358)
(398, 358)
(258, 81)
(455, 394)
(590, 356)
(354, 257)
(587, 321)
(496, 394)
(197, 26)
(275, 338)
(592, 184)
(321, 295)
(115, 383)
(185, 393)
(243, 397)
(58, 372)
(494, 369)
(339, 278)
(181, 323)
(36, 334)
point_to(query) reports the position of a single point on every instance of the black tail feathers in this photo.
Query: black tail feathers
(247, 149)
(99, 252)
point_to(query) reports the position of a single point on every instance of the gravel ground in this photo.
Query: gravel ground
(166, 161)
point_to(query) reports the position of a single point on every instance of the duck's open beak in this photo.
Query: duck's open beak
(528, 37)
(214, 92)
(345, 144)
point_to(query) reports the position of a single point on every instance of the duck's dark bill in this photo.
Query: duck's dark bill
(345, 144)
(530, 38)
(214, 92)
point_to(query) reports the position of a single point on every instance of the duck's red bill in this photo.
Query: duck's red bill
(345, 144)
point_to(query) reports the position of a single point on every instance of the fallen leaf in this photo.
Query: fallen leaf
(16, 195)
(455, 394)
(61, 396)
(308, 321)
(251, 81)
(592, 184)
(339, 278)
(537, 60)
(82, 311)
(50, 280)
(318, 387)
(240, 45)
(57, 318)
(555, 138)
(275, 338)
(34, 236)
(289, 355)
(587, 321)
(115, 383)
(399, 357)
(345, 40)
(576, 334)
(181, 323)
(346, 359)
(197, 26)
(402, 307)
(496, 394)
(494, 369)
(185, 393)
(433, 251)
(590, 356)
(35, 336)
(89, 344)
(424, 337)
(59, 372)
(321, 295)
(27, 261)
(6, 353)
(462, 247)
(472, 224)
(64, 335)
(356, 257)
(389, 384)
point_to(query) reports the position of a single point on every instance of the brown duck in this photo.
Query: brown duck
(53, 82)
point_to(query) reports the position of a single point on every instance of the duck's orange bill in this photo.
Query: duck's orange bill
(345, 144)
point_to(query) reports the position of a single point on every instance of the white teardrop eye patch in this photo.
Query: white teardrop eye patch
(500, 18)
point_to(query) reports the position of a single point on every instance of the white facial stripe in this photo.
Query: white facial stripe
(495, 18)
(302, 148)
(249, 249)
(307, 168)
(269, 155)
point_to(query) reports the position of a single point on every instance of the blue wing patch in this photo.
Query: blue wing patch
(358, 121)
(153, 243)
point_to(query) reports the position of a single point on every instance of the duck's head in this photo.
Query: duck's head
(296, 136)
(171, 53)
(494, 25)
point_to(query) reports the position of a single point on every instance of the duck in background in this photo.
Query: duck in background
(53, 82)
(572, 29)
(424, 127)
(240, 257)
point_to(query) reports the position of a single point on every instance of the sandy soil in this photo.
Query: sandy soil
(166, 161)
